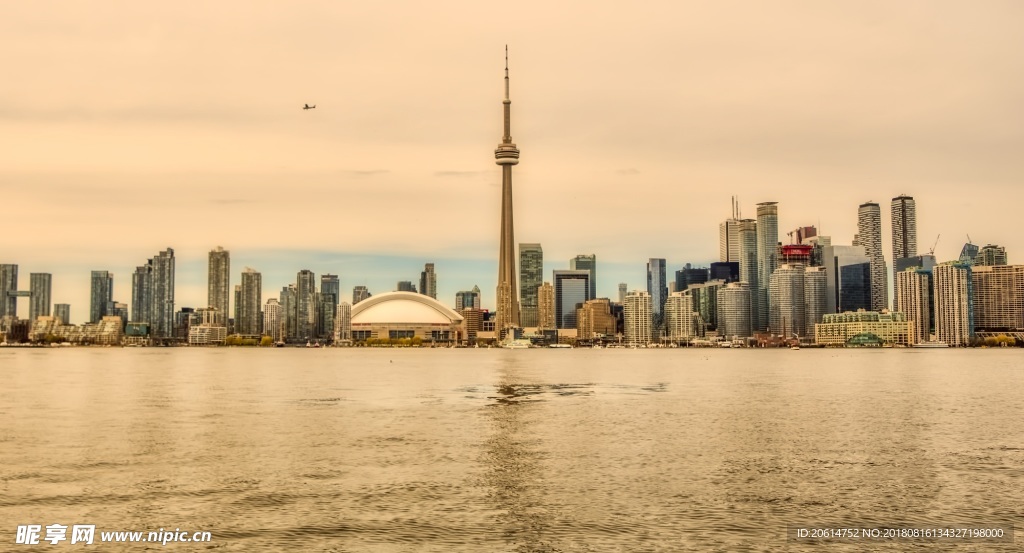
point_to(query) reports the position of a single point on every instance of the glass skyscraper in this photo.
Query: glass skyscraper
(586, 263)
(571, 290)
(767, 257)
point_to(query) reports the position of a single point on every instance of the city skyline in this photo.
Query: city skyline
(128, 106)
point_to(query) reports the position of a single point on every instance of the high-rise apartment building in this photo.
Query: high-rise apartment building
(142, 294)
(747, 236)
(306, 305)
(904, 227)
(8, 286)
(359, 293)
(767, 229)
(571, 290)
(546, 318)
(330, 296)
(62, 311)
(250, 320)
(998, 297)
(869, 235)
(343, 323)
(272, 320)
(954, 303)
(815, 298)
(101, 295)
(733, 310)
(40, 286)
(162, 307)
(428, 281)
(786, 290)
(679, 317)
(218, 280)
(594, 319)
(586, 263)
(914, 297)
(531, 276)
(990, 255)
(704, 297)
(637, 314)
(289, 312)
(657, 288)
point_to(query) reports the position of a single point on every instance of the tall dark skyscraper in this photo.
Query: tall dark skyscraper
(869, 235)
(359, 293)
(218, 283)
(428, 281)
(142, 294)
(306, 305)
(330, 297)
(657, 287)
(162, 324)
(8, 285)
(571, 289)
(250, 317)
(531, 276)
(40, 286)
(506, 155)
(101, 295)
(904, 227)
(586, 263)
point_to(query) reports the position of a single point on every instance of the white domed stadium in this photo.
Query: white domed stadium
(398, 315)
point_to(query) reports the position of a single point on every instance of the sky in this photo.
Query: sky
(129, 127)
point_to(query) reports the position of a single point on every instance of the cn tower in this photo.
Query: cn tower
(506, 155)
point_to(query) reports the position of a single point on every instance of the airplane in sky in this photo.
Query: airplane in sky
(307, 106)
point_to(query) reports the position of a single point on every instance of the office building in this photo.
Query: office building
(914, 297)
(546, 313)
(869, 235)
(953, 289)
(359, 293)
(506, 156)
(991, 255)
(998, 297)
(767, 229)
(531, 276)
(904, 228)
(657, 288)
(62, 311)
(689, 275)
(571, 291)
(586, 263)
(733, 310)
(637, 314)
(101, 294)
(469, 299)
(40, 287)
(218, 280)
(428, 281)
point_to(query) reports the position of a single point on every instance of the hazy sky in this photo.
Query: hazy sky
(127, 127)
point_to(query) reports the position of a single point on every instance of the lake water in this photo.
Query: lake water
(511, 450)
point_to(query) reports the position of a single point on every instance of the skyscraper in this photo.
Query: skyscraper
(40, 285)
(507, 155)
(748, 266)
(330, 296)
(250, 320)
(162, 310)
(767, 257)
(272, 320)
(998, 297)
(343, 323)
(359, 293)
(657, 287)
(531, 276)
(637, 318)
(622, 293)
(289, 312)
(991, 255)
(468, 299)
(815, 298)
(428, 281)
(62, 311)
(142, 294)
(8, 284)
(306, 305)
(405, 286)
(101, 295)
(786, 290)
(734, 310)
(954, 303)
(586, 263)
(218, 280)
(688, 276)
(914, 297)
(546, 306)
(904, 227)
(679, 317)
(869, 235)
(571, 289)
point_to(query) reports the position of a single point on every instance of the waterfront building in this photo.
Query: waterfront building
(688, 276)
(594, 319)
(218, 279)
(531, 276)
(586, 263)
(8, 290)
(330, 296)
(869, 235)
(207, 335)
(359, 293)
(546, 313)
(638, 313)
(101, 294)
(473, 322)
(657, 288)
(249, 320)
(904, 227)
(914, 297)
(142, 294)
(953, 289)
(343, 323)
(62, 311)
(786, 290)
(815, 298)
(428, 281)
(272, 320)
(306, 306)
(991, 255)
(289, 311)
(749, 266)
(40, 287)
(571, 290)
(679, 317)
(161, 307)
(405, 315)
(767, 229)
(998, 297)
(733, 310)
(506, 156)
(864, 328)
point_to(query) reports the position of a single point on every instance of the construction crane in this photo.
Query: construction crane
(931, 252)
